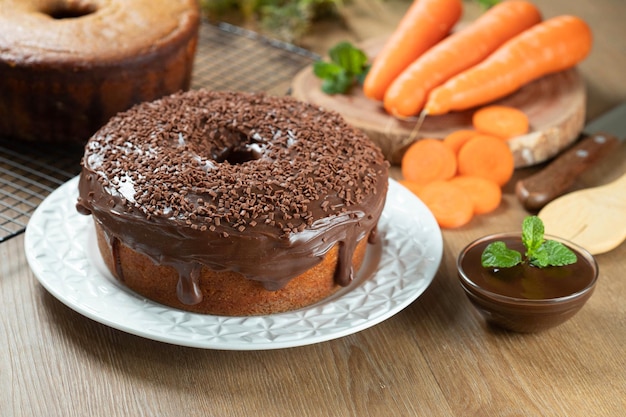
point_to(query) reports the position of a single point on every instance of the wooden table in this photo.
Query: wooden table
(434, 358)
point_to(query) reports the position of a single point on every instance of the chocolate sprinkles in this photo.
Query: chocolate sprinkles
(191, 159)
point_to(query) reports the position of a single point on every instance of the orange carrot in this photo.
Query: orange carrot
(451, 206)
(487, 157)
(551, 46)
(502, 121)
(486, 195)
(458, 138)
(408, 92)
(412, 186)
(424, 24)
(427, 160)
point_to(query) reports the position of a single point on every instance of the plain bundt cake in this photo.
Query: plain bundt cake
(67, 66)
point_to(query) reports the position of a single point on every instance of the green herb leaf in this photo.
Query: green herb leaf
(326, 69)
(497, 255)
(539, 252)
(360, 78)
(532, 234)
(352, 59)
(348, 65)
(487, 4)
(338, 84)
(552, 253)
(335, 80)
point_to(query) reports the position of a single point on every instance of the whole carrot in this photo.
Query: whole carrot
(551, 46)
(424, 24)
(408, 92)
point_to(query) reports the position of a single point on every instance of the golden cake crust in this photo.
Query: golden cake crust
(223, 293)
(68, 66)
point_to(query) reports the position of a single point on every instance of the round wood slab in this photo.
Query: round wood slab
(555, 105)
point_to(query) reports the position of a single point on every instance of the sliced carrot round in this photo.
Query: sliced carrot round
(458, 138)
(451, 205)
(486, 195)
(428, 160)
(501, 121)
(488, 157)
(412, 186)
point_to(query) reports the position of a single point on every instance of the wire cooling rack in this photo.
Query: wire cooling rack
(228, 58)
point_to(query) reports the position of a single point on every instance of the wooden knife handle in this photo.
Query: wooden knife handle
(554, 180)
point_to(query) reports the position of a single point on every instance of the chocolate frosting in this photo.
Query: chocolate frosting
(260, 185)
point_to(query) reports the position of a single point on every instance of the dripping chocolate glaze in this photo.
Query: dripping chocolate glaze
(263, 186)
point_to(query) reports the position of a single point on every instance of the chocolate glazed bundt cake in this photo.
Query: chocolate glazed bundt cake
(232, 203)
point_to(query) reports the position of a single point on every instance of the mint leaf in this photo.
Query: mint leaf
(360, 78)
(487, 4)
(497, 255)
(553, 253)
(348, 66)
(334, 77)
(326, 69)
(338, 84)
(351, 59)
(539, 252)
(532, 234)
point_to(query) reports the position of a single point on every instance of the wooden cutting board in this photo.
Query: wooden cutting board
(555, 105)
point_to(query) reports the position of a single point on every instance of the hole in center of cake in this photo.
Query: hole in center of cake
(71, 10)
(240, 155)
(237, 148)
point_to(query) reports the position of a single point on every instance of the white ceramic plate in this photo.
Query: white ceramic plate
(61, 250)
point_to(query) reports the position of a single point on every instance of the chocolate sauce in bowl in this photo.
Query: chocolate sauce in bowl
(526, 281)
(525, 298)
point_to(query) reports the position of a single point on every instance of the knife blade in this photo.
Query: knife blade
(598, 139)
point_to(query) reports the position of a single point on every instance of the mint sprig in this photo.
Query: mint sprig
(487, 4)
(540, 252)
(348, 65)
(497, 255)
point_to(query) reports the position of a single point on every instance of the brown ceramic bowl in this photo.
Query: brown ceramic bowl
(526, 298)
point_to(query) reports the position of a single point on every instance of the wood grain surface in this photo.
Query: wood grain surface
(434, 358)
(594, 218)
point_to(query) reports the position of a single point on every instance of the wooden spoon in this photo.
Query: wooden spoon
(594, 218)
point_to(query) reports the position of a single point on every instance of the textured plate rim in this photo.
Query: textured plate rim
(57, 250)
